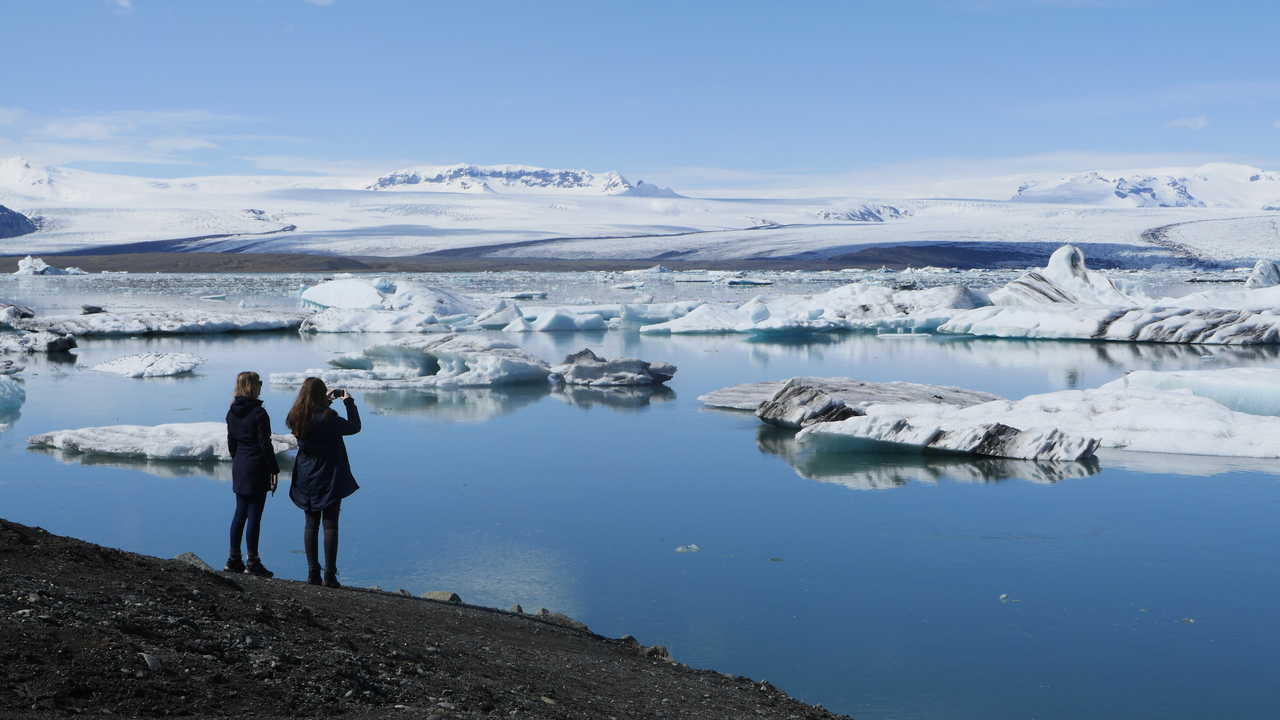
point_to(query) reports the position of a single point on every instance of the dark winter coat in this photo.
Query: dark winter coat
(321, 471)
(253, 460)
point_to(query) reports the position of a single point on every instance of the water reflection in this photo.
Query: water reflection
(629, 398)
(477, 405)
(220, 471)
(875, 471)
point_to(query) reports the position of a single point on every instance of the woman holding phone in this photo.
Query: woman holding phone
(254, 470)
(321, 472)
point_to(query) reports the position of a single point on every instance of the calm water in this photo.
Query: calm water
(1144, 588)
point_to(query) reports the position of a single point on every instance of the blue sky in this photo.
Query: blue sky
(683, 93)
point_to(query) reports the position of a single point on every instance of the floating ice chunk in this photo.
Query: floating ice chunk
(586, 368)
(882, 430)
(1098, 322)
(640, 314)
(655, 270)
(35, 342)
(803, 401)
(499, 316)
(177, 441)
(558, 321)
(12, 396)
(1254, 390)
(10, 314)
(165, 322)
(518, 325)
(348, 294)
(704, 319)
(9, 367)
(746, 397)
(747, 282)
(146, 365)
(449, 361)
(423, 298)
(1064, 280)
(629, 285)
(524, 295)
(338, 320)
(1265, 274)
(35, 266)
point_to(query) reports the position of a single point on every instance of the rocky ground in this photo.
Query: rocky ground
(86, 629)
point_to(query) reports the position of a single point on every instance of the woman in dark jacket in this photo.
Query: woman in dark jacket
(321, 472)
(253, 471)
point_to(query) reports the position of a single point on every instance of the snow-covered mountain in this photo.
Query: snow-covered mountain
(13, 224)
(1217, 185)
(514, 178)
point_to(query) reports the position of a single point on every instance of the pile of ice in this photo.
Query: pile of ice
(344, 320)
(1068, 301)
(384, 305)
(849, 307)
(448, 361)
(177, 442)
(35, 342)
(558, 320)
(586, 368)
(165, 322)
(10, 314)
(145, 365)
(35, 266)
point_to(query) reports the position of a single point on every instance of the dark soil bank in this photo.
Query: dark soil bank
(88, 629)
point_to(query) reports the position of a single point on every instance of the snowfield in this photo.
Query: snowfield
(1219, 212)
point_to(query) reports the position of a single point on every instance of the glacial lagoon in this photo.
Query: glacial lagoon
(885, 586)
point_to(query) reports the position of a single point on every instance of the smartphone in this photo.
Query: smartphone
(335, 394)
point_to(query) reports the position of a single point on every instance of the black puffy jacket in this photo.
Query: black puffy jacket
(253, 460)
(321, 470)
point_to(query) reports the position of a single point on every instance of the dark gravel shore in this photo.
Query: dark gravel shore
(86, 629)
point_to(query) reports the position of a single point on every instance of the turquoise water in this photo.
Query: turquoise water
(1141, 588)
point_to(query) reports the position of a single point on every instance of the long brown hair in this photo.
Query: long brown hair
(313, 399)
(248, 384)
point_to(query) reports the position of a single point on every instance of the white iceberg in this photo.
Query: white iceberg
(1253, 390)
(854, 306)
(35, 266)
(1124, 418)
(746, 397)
(803, 401)
(387, 294)
(177, 441)
(165, 322)
(1102, 322)
(35, 342)
(586, 368)
(144, 365)
(1265, 274)
(558, 321)
(339, 320)
(1065, 279)
(449, 361)
(499, 316)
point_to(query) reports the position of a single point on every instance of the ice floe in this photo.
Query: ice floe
(387, 294)
(35, 342)
(164, 322)
(1253, 390)
(558, 320)
(448, 361)
(341, 320)
(35, 266)
(145, 365)
(803, 401)
(499, 316)
(1265, 274)
(202, 441)
(586, 368)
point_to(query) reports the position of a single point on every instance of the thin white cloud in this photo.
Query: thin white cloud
(122, 5)
(319, 3)
(1191, 122)
(11, 115)
(181, 144)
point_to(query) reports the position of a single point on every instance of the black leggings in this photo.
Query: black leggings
(312, 528)
(248, 517)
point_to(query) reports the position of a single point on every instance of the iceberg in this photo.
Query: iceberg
(1112, 323)
(35, 266)
(746, 397)
(387, 294)
(558, 321)
(803, 401)
(164, 322)
(10, 314)
(202, 441)
(12, 396)
(35, 342)
(423, 363)
(586, 368)
(1065, 279)
(1253, 390)
(1117, 417)
(340, 320)
(850, 307)
(145, 365)
(1265, 274)
(499, 316)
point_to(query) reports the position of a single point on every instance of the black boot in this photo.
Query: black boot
(313, 575)
(331, 578)
(255, 567)
(234, 564)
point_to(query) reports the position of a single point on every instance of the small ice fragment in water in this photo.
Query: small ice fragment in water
(688, 548)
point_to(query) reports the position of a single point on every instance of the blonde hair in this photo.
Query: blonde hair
(248, 384)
